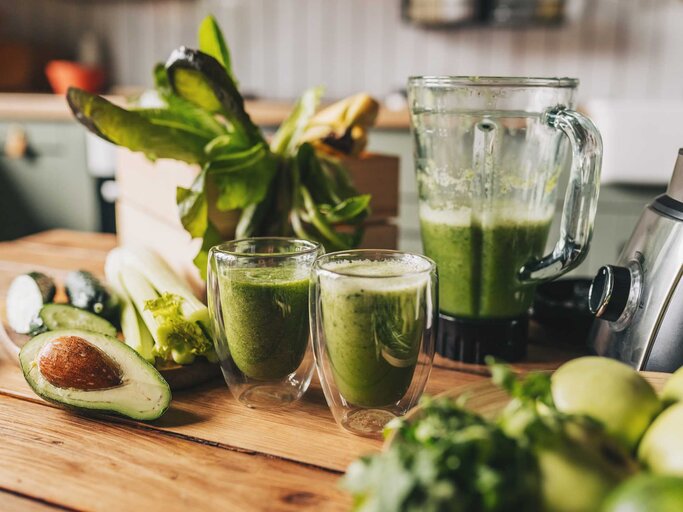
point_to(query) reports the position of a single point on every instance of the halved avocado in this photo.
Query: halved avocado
(92, 371)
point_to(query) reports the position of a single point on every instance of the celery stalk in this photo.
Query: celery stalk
(165, 280)
(135, 332)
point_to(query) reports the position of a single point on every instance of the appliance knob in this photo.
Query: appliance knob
(609, 292)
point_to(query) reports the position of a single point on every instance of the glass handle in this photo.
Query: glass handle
(580, 200)
(213, 300)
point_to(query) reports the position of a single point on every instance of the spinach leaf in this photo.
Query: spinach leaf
(135, 131)
(212, 43)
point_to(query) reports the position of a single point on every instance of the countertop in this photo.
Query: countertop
(52, 107)
(207, 453)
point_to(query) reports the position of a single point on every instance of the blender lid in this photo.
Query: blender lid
(675, 189)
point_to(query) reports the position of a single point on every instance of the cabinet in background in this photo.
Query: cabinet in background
(49, 187)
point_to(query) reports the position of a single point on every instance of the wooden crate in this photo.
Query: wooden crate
(146, 212)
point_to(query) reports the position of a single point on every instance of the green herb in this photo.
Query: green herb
(294, 186)
(447, 459)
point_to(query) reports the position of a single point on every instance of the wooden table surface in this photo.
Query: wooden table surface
(207, 452)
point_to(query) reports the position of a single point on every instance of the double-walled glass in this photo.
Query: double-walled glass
(373, 320)
(258, 300)
(488, 154)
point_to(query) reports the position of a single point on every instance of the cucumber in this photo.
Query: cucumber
(63, 316)
(26, 296)
(87, 292)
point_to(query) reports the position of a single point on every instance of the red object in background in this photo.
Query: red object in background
(63, 73)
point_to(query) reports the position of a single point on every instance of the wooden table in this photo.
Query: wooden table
(207, 452)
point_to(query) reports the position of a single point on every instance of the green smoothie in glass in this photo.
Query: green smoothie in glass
(479, 260)
(373, 329)
(265, 313)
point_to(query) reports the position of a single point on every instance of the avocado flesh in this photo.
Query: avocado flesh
(143, 393)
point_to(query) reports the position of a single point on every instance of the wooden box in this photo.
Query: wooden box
(146, 212)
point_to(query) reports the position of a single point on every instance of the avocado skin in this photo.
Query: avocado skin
(28, 357)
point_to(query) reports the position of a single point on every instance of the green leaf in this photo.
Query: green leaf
(353, 209)
(182, 118)
(202, 80)
(333, 240)
(192, 206)
(211, 237)
(133, 130)
(242, 181)
(286, 139)
(212, 43)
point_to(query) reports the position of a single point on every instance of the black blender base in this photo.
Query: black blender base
(470, 341)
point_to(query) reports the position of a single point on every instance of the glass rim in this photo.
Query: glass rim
(492, 81)
(310, 247)
(326, 258)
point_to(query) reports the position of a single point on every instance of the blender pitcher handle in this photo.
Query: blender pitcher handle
(580, 200)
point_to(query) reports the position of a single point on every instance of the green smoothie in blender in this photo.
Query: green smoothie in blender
(479, 260)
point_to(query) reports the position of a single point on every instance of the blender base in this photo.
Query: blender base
(470, 341)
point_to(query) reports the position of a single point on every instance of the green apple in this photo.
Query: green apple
(673, 389)
(661, 449)
(647, 493)
(581, 468)
(608, 391)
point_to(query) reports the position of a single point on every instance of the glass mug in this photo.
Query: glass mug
(258, 302)
(373, 319)
(488, 155)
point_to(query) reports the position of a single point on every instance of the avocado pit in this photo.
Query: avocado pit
(71, 362)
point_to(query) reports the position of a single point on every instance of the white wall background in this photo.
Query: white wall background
(618, 48)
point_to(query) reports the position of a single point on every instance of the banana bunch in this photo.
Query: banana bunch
(342, 127)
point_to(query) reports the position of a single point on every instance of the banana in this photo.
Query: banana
(342, 127)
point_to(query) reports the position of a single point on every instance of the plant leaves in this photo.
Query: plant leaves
(184, 119)
(353, 209)
(287, 139)
(333, 240)
(202, 80)
(133, 130)
(192, 206)
(242, 181)
(212, 43)
(211, 237)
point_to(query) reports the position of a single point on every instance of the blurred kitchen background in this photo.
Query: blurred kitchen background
(627, 54)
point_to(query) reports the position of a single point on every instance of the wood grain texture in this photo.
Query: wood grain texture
(211, 413)
(87, 464)
(10, 502)
(207, 452)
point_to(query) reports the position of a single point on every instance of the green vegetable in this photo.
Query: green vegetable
(27, 294)
(53, 317)
(134, 131)
(135, 333)
(448, 459)
(176, 320)
(87, 292)
(291, 187)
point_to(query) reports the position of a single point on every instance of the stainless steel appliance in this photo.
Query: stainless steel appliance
(639, 300)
